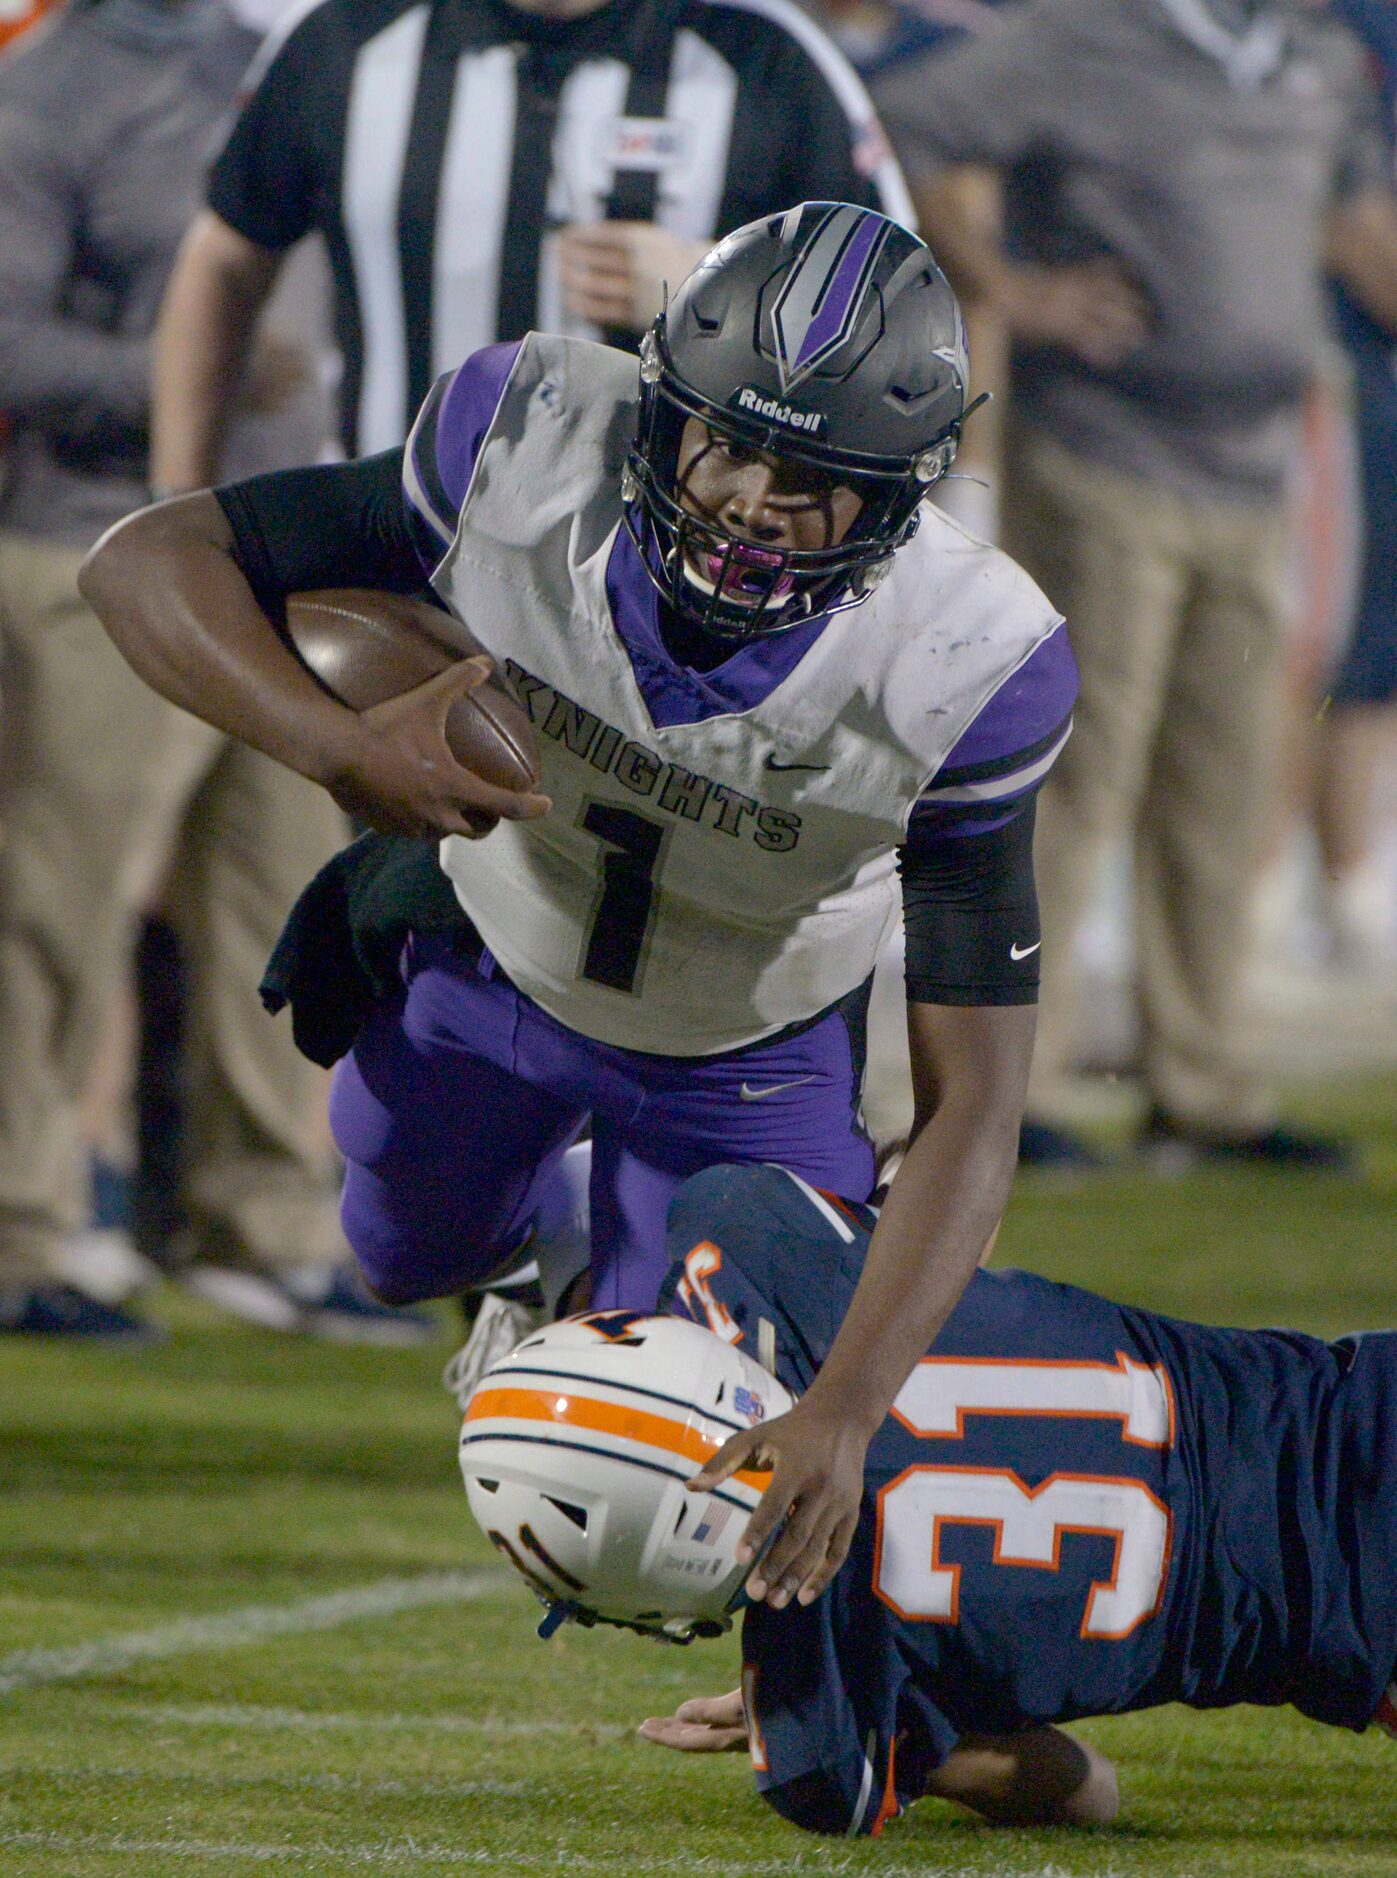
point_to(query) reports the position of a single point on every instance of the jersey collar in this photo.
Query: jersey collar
(676, 694)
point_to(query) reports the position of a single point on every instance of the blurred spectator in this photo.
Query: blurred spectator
(481, 168)
(878, 36)
(104, 121)
(16, 18)
(1171, 168)
(1356, 732)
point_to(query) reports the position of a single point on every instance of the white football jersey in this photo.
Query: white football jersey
(698, 886)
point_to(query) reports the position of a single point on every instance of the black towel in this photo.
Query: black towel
(339, 952)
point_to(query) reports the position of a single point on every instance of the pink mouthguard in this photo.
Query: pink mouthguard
(747, 567)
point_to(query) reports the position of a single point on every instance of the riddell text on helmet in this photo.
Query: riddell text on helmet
(760, 405)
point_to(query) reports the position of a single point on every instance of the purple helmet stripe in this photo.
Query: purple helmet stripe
(837, 301)
(823, 294)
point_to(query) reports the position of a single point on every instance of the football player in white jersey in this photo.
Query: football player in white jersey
(767, 678)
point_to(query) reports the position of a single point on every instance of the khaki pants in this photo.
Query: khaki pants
(99, 781)
(1177, 617)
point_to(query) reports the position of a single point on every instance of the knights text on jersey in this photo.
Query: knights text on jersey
(441, 146)
(1075, 1508)
(719, 861)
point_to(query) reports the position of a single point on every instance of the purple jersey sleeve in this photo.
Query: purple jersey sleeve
(1005, 751)
(445, 441)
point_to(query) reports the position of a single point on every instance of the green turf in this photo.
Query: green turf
(232, 1471)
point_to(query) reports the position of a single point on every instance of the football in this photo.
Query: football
(365, 647)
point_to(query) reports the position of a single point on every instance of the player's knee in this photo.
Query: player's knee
(814, 1802)
(392, 1270)
(393, 1287)
(414, 1243)
(1097, 1801)
(390, 1278)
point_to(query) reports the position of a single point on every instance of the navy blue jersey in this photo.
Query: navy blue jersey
(1075, 1508)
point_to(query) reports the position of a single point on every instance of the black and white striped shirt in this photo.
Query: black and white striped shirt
(439, 142)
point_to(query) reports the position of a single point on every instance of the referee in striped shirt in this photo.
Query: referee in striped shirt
(482, 168)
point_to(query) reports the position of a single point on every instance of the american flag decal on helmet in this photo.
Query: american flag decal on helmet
(710, 1528)
(824, 293)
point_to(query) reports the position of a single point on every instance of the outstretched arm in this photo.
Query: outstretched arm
(970, 1071)
(972, 955)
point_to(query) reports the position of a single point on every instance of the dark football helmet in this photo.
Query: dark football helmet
(829, 338)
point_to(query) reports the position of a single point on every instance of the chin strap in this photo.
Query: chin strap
(681, 1630)
(554, 1617)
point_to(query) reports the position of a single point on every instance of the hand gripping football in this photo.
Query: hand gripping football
(366, 647)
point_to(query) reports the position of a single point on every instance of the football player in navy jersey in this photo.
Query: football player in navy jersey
(1075, 1508)
(767, 679)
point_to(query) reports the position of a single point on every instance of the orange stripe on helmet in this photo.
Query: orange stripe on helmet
(564, 1408)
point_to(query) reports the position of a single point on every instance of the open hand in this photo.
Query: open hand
(706, 1724)
(816, 1463)
(401, 778)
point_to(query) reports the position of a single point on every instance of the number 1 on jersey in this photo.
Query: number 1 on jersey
(623, 911)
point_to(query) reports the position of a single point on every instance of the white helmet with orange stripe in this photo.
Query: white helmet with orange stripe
(575, 1450)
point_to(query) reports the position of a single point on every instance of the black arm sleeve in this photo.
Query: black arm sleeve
(330, 525)
(971, 911)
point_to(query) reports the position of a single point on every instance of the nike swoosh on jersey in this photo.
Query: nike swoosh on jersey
(771, 763)
(748, 1094)
(1017, 952)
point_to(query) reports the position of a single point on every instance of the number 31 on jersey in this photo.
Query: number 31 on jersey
(1029, 1523)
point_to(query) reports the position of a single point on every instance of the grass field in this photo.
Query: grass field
(245, 1620)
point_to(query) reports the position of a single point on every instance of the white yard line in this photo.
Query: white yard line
(410, 1852)
(247, 1716)
(360, 1785)
(232, 1630)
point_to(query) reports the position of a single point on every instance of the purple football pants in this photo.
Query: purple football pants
(460, 1097)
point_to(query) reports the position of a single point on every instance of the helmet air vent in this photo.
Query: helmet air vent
(529, 1539)
(577, 1514)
